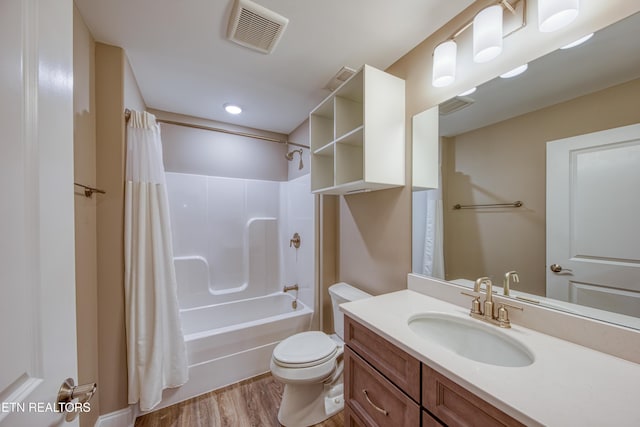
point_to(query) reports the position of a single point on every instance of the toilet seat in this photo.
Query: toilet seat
(307, 357)
(304, 350)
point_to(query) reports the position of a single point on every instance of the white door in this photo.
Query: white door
(37, 302)
(593, 220)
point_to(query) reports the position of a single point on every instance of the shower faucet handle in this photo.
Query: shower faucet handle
(295, 242)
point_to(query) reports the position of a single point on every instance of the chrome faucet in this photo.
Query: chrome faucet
(505, 284)
(502, 319)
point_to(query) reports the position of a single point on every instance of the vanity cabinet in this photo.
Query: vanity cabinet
(385, 386)
(456, 406)
(357, 135)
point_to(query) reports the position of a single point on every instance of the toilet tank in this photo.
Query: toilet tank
(340, 293)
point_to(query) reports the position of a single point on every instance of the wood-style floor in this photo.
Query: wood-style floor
(250, 403)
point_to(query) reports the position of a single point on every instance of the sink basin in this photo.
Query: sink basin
(471, 339)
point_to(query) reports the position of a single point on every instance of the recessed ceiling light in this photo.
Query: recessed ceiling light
(232, 109)
(578, 42)
(515, 72)
(468, 92)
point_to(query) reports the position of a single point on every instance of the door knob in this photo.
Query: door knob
(556, 268)
(69, 392)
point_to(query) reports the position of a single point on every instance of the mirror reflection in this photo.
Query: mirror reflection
(560, 139)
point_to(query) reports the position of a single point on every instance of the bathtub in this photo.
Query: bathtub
(232, 341)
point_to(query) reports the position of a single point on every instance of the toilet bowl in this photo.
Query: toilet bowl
(310, 366)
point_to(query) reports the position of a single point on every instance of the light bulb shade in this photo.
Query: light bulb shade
(487, 34)
(555, 14)
(444, 63)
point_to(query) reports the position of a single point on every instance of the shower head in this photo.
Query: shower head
(289, 156)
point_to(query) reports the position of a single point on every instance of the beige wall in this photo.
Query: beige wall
(476, 164)
(84, 150)
(202, 152)
(375, 240)
(116, 89)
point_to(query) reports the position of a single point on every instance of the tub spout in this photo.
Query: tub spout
(290, 288)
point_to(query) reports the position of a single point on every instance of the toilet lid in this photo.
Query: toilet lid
(304, 347)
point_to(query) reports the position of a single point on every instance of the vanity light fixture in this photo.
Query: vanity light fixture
(232, 109)
(487, 39)
(515, 72)
(487, 34)
(468, 92)
(444, 63)
(578, 42)
(555, 14)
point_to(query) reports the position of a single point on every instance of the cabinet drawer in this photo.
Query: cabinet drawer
(395, 364)
(351, 419)
(429, 421)
(375, 400)
(457, 406)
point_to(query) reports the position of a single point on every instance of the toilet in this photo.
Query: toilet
(310, 365)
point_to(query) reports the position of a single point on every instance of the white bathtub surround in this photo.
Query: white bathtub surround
(231, 237)
(233, 341)
(232, 259)
(566, 385)
(156, 353)
(296, 210)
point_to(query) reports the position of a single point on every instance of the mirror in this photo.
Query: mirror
(493, 148)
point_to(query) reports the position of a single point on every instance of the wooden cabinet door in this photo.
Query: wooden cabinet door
(456, 406)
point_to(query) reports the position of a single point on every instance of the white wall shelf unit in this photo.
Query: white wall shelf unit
(357, 135)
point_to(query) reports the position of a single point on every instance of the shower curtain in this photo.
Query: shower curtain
(156, 353)
(433, 256)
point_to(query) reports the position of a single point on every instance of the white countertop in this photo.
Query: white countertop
(567, 384)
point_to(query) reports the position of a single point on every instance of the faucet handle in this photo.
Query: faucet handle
(475, 305)
(503, 314)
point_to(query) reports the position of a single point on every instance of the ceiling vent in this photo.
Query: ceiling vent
(456, 103)
(255, 27)
(340, 77)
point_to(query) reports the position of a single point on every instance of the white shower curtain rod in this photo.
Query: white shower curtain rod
(127, 114)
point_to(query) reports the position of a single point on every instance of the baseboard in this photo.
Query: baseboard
(122, 418)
